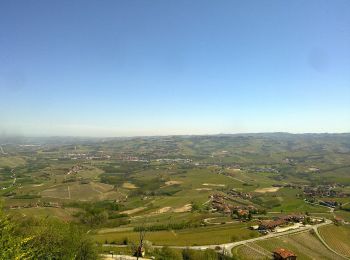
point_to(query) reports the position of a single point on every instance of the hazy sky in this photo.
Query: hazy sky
(146, 67)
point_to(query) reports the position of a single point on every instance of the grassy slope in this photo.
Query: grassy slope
(197, 236)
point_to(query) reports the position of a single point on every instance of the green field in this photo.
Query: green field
(189, 237)
(337, 237)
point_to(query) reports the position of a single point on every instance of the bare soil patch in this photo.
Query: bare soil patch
(185, 208)
(214, 185)
(163, 210)
(132, 211)
(265, 190)
(128, 185)
(168, 183)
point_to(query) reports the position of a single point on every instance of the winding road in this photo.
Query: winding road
(2, 150)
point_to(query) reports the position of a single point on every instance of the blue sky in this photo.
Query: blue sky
(155, 67)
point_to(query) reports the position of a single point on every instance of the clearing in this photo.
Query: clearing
(265, 190)
(128, 185)
(214, 185)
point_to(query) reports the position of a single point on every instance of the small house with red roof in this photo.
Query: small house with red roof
(283, 254)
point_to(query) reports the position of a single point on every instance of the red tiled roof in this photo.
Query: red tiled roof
(284, 253)
(273, 223)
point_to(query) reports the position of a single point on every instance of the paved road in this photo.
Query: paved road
(209, 222)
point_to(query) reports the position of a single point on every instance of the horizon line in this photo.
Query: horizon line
(169, 135)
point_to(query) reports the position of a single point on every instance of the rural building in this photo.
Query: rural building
(294, 218)
(284, 254)
(242, 212)
(271, 224)
(255, 227)
(338, 220)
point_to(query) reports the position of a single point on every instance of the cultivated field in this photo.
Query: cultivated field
(305, 245)
(337, 237)
(188, 237)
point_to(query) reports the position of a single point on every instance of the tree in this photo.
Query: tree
(86, 250)
(250, 216)
(142, 234)
(195, 206)
(12, 246)
(44, 239)
(188, 254)
(208, 254)
(94, 216)
(166, 253)
(53, 239)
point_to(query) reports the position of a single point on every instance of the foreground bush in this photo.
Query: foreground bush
(44, 239)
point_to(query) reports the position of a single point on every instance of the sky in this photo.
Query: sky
(155, 67)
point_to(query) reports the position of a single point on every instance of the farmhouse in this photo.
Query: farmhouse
(239, 194)
(271, 224)
(284, 254)
(222, 207)
(242, 212)
(338, 220)
(329, 203)
(294, 218)
(219, 204)
(255, 227)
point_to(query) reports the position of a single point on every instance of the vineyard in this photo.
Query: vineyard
(253, 251)
(305, 245)
(337, 237)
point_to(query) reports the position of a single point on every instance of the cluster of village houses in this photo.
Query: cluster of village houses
(239, 194)
(324, 191)
(218, 203)
(84, 156)
(75, 169)
(321, 191)
(324, 195)
(266, 226)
